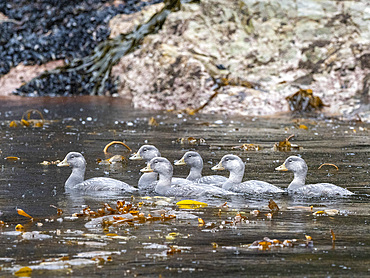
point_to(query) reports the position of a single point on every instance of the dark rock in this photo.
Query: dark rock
(54, 30)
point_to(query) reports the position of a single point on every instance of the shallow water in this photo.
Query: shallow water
(220, 247)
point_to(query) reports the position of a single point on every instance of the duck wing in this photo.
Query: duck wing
(194, 190)
(148, 188)
(322, 189)
(104, 184)
(215, 180)
(180, 181)
(256, 187)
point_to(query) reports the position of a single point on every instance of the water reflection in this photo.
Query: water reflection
(87, 124)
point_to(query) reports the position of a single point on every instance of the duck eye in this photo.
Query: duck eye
(72, 156)
(290, 160)
(226, 159)
(189, 155)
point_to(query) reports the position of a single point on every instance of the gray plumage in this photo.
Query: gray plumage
(76, 179)
(299, 168)
(195, 162)
(147, 153)
(234, 183)
(146, 181)
(165, 187)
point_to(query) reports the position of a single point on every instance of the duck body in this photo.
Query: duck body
(102, 184)
(234, 183)
(165, 187)
(299, 168)
(215, 180)
(320, 189)
(76, 179)
(195, 162)
(252, 187)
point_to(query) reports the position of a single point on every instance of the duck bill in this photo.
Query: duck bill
(63, 163)
(281, 168)
(147, 169)
(136, 156)
(180, 162)
(218, 167)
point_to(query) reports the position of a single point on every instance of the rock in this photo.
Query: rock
(278, 47)
(39, 32)
(126, 23)
(22, 74)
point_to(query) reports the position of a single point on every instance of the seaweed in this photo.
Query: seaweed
(304, 101)
(96, 68)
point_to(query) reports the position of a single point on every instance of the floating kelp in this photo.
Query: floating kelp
(153, 122)
(12, 158)
(273, 206)
(190, 141)
(248, 147)
(286, 146)
(267, 243)
(114, 159)
(45, 162)
(328, 164)
(105, 150)
(23, 213)
(94, 70)
(326, 212)
(19, 228)
(24, 272)
(190, 204)
(121, 214)
(303, 123)
(304, 101)
(333, 237)
(27, 121)
(238, 219)
(59, 210)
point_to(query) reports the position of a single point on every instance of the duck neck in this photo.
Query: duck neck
(235, 177)
(194, 174)
(146, 179)
(298, 181)
(164, 184)
(77, 176)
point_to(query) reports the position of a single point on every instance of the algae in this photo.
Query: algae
(97, 67)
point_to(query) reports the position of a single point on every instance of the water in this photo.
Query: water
(141, 249)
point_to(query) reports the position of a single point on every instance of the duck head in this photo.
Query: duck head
(192, 159)
(146, 152)
(229, 162)
(74, 160)
(294, 164)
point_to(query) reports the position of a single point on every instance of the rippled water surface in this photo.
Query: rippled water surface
(70, 246)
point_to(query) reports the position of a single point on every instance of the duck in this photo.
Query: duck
(147, 153)
(195, 162)
(298, 166)
(76, 180)
(235, 165)
(165, 187)
(146, 181)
